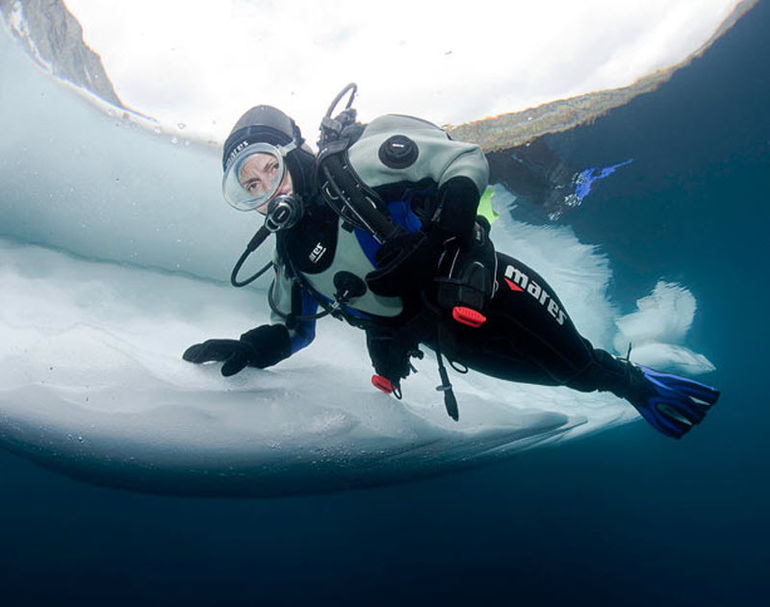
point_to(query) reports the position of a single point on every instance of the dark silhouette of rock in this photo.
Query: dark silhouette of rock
(54, 39)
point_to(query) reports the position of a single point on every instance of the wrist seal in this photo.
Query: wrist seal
(271, 344)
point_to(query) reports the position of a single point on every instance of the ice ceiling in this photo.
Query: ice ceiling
(114, 245)
(200, 64)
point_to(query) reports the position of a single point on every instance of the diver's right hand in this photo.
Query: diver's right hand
(235, 354)
(260, 347)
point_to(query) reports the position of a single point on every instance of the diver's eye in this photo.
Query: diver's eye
(253, 186)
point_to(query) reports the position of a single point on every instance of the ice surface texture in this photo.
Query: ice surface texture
(113, 240)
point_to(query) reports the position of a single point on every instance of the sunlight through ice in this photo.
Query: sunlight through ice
(204, 63)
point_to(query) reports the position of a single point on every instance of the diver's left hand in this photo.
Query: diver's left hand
(390, 356)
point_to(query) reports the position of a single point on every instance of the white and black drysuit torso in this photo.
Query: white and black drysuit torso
(431, 185)
(410, 181)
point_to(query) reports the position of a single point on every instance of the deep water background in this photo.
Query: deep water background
(625, 517)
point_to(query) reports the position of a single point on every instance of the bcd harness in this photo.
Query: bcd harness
(356, 203)
(360, 206)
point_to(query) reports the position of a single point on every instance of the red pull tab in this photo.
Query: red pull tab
(468, 316)
(382, 383)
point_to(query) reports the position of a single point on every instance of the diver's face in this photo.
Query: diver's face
(258, 176)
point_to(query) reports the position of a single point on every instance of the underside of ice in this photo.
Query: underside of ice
(115, 245)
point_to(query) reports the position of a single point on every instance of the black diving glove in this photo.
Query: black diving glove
(391, 356)
(260, 347)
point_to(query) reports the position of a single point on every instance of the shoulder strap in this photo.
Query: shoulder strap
(356, 203)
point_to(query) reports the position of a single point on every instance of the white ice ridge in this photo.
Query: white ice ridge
(135, 234)
(92, 383)
(658, 328)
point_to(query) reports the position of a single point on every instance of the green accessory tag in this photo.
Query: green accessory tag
(485, 206)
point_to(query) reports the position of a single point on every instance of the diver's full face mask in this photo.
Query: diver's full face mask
(254, 176)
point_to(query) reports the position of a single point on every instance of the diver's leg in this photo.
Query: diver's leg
(529, 338)
(670, 403)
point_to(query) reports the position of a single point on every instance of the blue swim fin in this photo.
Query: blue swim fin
(670, 403)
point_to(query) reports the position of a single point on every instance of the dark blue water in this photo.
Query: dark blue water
(627, 517)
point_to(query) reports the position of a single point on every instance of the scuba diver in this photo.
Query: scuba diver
(380, 229)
